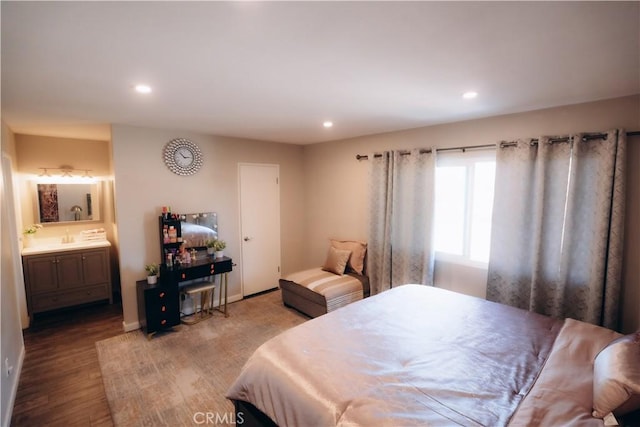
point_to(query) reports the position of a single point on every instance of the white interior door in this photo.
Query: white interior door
(259, 227)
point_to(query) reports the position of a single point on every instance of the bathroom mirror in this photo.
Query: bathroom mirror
(56, 203)
(197, 228)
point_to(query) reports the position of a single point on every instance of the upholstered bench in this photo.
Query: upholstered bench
(205, 291)
(337, 283)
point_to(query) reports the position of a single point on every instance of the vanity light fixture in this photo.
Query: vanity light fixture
(66, 172)
(470, 95)
(327, 124)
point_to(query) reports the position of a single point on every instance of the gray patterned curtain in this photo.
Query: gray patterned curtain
(400, 247)
(557, 230)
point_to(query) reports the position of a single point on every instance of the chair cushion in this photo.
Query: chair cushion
(336, 291)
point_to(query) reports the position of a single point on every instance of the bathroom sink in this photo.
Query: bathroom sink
(43, 248)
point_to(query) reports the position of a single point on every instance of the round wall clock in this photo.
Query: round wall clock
(182, 156)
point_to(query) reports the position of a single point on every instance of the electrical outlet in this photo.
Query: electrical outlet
(8, 369)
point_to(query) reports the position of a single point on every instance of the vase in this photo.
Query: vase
(219, 254)
(210, 251)
(27, 241)
(152, 280)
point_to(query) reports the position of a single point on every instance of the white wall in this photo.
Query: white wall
(11, 341)
(143, 184)
(337, 193)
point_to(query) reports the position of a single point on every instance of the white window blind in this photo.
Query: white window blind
(464, 201)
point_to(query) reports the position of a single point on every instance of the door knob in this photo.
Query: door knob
(246, 239)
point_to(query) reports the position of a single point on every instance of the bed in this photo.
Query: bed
(418, 355)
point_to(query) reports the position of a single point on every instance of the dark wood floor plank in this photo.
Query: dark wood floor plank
(61, 383)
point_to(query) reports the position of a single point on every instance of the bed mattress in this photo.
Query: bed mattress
(419, 355)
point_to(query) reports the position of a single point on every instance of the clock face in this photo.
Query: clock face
(182, 157)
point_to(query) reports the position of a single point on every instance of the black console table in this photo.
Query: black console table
(159, 304)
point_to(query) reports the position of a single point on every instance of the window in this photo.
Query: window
(464, 202)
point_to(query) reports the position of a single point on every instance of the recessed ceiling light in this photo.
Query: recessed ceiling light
(143, 89)
(469, 95)
(327, 124)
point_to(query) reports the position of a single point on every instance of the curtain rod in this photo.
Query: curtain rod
(587, 137)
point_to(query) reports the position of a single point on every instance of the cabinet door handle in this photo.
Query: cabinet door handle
(84, 257)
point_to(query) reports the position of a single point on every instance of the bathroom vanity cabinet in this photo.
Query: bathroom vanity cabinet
(66, 278)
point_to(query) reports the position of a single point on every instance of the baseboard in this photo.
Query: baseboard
(14, 389)
(128, 327)
(234, 298)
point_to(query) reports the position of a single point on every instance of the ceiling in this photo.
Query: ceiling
(276, 70)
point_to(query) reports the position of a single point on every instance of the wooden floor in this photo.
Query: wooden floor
(60, 383)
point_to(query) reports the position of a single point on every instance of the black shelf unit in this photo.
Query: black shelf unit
(165, 248)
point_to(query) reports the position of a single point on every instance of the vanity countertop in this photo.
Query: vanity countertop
(61, 247)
